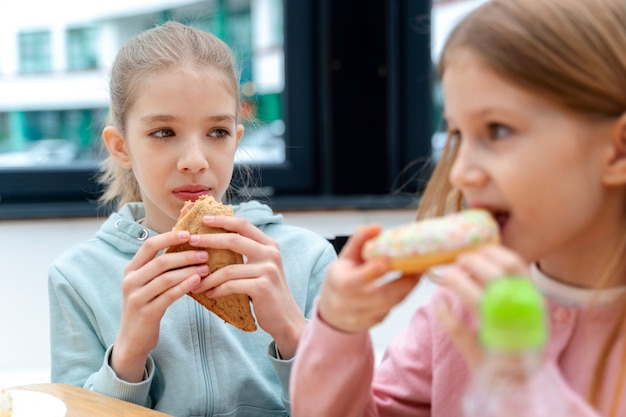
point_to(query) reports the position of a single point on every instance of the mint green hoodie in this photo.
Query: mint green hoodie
(201, 366)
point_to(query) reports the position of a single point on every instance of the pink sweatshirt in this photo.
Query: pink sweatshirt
(422, 373)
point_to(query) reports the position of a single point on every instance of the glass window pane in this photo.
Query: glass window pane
(71, 56)
(82, 52)
(444, 17)
(34, 52)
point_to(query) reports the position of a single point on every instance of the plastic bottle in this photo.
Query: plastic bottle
(511, 380)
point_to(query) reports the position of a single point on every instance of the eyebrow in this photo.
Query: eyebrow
(481, 112)
(167, 118)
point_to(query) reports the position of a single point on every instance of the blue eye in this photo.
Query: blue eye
(498, 131)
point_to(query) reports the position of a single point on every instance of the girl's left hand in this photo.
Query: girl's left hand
(467, 278)
(262, 277)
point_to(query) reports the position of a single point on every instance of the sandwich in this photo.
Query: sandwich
(235, 308)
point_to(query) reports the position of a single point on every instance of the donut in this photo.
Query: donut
(420, 245)
(6, 403)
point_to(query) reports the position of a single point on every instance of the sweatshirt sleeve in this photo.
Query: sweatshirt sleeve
(318, 273)
(78, 354)
(332, 372)
(283, 370)
(105, 381)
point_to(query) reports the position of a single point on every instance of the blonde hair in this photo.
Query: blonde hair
(570, 52)
(161, 48)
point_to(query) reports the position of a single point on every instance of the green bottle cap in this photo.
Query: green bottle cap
(512, 315)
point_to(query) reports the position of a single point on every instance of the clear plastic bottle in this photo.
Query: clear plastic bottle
(511, 380)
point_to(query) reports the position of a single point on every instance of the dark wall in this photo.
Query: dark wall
(375, 94)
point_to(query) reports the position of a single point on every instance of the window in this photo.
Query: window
(82, 46)
(338, 107)
(34, 52)
(4, 132)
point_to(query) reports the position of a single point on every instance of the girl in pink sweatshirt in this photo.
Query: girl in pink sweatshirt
(535, 105)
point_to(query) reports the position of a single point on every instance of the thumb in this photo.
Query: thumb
(352, 248)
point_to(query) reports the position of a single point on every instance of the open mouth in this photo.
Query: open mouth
(501, 217)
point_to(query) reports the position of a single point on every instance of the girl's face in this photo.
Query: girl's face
(181, 140)
(537, 167)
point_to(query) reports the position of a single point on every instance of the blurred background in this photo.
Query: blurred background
(341, 105)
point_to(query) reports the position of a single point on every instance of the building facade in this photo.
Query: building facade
(55, 58)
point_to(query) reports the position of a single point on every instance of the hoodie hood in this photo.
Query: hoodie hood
(257, 213)
(122, 229)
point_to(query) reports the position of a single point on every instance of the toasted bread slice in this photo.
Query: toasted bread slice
(233, 309)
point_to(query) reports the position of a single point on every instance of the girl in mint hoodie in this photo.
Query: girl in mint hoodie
(121, 321)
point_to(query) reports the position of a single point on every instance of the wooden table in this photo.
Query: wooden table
(82, 402)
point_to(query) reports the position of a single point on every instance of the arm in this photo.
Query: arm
(305, 288)
(332, 372)
(87, 330)
(336, 347)
(79, 355)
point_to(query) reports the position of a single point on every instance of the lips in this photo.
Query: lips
(191, 192)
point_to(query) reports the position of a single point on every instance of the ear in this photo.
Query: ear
(116, 146)
(240, 130)
(614, 172)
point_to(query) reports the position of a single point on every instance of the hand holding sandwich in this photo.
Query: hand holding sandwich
(262, 277)
(151, 284)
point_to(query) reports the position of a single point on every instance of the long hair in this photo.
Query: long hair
(573, 53)
(158, 49)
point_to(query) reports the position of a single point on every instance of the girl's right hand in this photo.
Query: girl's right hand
(151, 284)
(351, 300)
(467, 278)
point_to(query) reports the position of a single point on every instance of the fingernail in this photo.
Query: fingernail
(202, 255)
(194, 239)
(208, 219)
(183, 234)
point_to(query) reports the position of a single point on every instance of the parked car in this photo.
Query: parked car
(43, 152)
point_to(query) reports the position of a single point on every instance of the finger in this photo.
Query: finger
(173, 286)
(382, 295)
(237, 225)
(510, 262)
(252, 250)
(226, 240)
(352, 248)
(361, 311)
(462, 336)
(231, 279)
(492, 262)
(350, 277)
(395, 290)
(479, 267)
(141, 287)
(154, 245)
(462, 284)
(166, 262)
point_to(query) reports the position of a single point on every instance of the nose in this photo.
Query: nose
(192, 157)
(466, 171)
